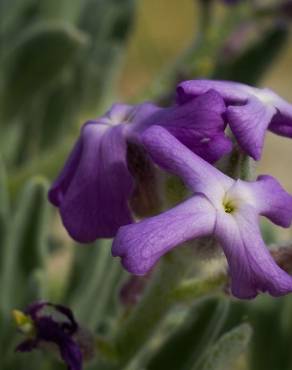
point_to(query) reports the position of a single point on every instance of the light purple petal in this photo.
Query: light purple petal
(251, 266)
(96, 202)
(272, 200)
(249, 124)
(140, 245)
(173, 156)
(231, 92)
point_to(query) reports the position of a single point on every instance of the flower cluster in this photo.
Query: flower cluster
(95, 188)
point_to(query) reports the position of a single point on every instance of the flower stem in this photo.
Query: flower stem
(197, 288)
(155, 303)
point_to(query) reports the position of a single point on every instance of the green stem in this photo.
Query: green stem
(151, 309)
(47, 164)
(196, 288)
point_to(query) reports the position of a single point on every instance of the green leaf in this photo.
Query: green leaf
(108, 23)
(25, 249)
(4, 210)
(265, 318)
(199, 330)
(37, 61)
(66, 10)
(226, 351)
(4, 197)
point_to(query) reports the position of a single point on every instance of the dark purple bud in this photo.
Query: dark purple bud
(283, 257)
(132, 290)
(45, 323)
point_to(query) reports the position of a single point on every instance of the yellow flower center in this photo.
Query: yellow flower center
(229, 206)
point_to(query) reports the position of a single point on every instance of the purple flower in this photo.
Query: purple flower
(94, 189)
(60, 331)
(250, 111)
(221, 207)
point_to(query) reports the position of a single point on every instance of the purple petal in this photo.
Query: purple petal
(194, 124)
(231, 92)
(27, 345)
(197, 126)
(251, 266)
(174, 157)
(35, 308)
(249, 124)
(124, 113)
(60, 186)
(72, 325)
(272, 200)
(71, 354)
(140, 245)
(281, 123)
(277, 117)
(96, 201)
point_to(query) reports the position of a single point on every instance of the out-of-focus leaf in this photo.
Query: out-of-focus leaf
(95, 284)
(11, 14)
(251, 65)
(226, 351)
(108, 23)
(188, 343)
(26, 248)
(4, 196)
(265, 317)
(66, 10)
(60, 113)
(38, 59)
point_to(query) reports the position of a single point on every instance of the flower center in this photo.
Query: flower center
(229, 206)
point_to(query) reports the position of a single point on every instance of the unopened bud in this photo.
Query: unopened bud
(283, 257)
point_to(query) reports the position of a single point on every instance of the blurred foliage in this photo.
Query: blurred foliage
(60, 62)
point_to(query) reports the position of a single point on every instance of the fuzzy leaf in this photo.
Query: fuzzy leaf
(38, 60)
(25, 249)
(189, 342)
(226, 351)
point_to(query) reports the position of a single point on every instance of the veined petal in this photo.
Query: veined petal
(249, 124)
(96, 202)
(272, 200)
(140, 245)
(251, 266)
(231, 92)
(173, 156)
